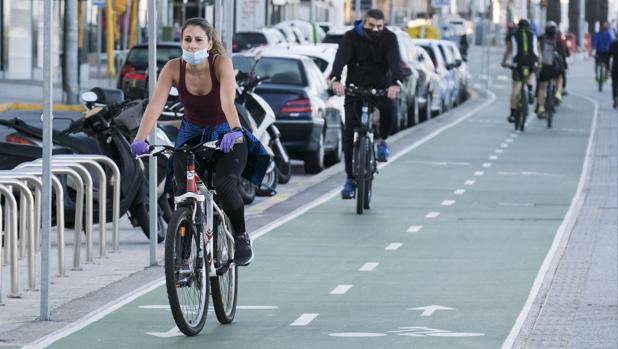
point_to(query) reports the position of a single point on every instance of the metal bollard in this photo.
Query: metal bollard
(12, 233)
(33, 223)
(116, 178)
(77, 174)
(102, 192)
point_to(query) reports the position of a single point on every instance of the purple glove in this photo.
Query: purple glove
(139, 147)
(227, 143)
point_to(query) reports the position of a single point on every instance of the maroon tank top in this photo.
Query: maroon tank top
(206, 109)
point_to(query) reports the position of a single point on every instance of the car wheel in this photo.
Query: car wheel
(426, 113)
(333, 157)
(314, 160)
(413, 117)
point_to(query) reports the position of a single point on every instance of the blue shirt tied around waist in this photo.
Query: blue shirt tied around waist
(257, 159)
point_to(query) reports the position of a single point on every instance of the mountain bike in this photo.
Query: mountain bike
(364, 164)
(199, 246)
(521, 110)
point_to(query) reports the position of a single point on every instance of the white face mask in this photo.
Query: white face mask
(195, 57)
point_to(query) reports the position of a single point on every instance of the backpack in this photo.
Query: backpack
(550, 55)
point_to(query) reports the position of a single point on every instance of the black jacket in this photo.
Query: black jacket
(374, 64)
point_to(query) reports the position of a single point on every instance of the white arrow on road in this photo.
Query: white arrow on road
(174, 332)
(430, 309)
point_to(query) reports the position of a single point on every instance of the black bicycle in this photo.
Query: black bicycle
(199, 247)
(600, 70)
(521, 110)
(550, 102)
(364, 164)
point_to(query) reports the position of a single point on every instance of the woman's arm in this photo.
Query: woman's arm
(225, 74)
(156, 103)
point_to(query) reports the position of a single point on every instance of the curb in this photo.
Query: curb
(37, 106)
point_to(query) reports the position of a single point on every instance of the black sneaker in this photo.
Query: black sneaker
(244, 253)
(511, 118)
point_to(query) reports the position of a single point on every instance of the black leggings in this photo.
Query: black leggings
(388, 116)
(228, 169)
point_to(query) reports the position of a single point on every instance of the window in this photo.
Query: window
(138, 57)
(280, 71)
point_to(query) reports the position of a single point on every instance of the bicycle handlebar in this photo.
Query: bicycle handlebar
(184, 149)
(364, 92)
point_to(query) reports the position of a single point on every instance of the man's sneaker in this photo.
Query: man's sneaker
(383, 151)
(349, 189)
(558, 96)
(511, 118)
(244, 253)
(540, 112)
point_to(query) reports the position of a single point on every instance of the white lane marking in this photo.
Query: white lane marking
(493, 157)
(304, 319)
(341, 289)
(479, 173)
(110, 307)
(515, 204)
(448, 203)
(530, 173)
(486, 164)
(470, 182)
(357, 334)
(369, 266)
(430, 309)
(563, 233)
(174, 332)
(440, 163)
(393, 246)
(514, 135)
(499, 151)
(509, 140)
(414, 228)
(459, 191)
(422, 331)
(504, 145)
(432, 215)
(502, 78)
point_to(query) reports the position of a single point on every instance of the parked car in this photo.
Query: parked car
(452, 65)
(335, 35)
(132, 79)
(462, 69)
(446, 74)
(312, 33)
(293, 34)
(432, 81)
(247, 40)
(297, 92)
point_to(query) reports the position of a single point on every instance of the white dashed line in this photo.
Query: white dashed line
(493, 157)
(393, 246)
(448, 202)
(470, 182)
(304, 320)
(514, 135)
(459, 191)
(479, 173)
(504, 145)
(341, 289)
(414, 228)
(487, 164)
(432, 215)
(368, 266)
(499, 151)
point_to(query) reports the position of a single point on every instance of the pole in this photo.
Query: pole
(311, 12)
(99, 39)
(152, 164)
(582, 21)
(70, 52)
(47, 146)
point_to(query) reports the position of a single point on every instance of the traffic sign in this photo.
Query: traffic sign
(440, 3)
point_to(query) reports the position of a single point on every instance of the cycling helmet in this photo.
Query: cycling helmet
(523, 24)
(551, 28)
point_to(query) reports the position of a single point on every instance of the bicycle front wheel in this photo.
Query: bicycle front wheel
(185, 273)
(601, 76)
(361, 173)
(225, 284)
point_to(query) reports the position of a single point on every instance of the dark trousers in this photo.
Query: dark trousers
(388, 116)
(227, 175)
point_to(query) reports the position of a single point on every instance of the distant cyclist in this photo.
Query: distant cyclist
(371, 53)
(614, 58)
(522, 49)
(553, 60)
(600, 44)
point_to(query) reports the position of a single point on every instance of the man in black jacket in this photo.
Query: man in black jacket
(371, 53)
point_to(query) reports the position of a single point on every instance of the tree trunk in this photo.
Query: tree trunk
(553, 11)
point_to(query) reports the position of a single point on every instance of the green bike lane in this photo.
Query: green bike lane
(463, 222)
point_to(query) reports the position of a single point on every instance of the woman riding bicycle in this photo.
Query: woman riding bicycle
(206, 84)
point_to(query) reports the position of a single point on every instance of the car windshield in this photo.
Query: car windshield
(280, 70)
(243, 63)
(245, 41)
(138, 56)
(332, 39)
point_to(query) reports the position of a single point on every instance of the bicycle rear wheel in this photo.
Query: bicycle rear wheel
(224, 286)
(361, 172)
(549, 105)
(185, 273)
(600, 76)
